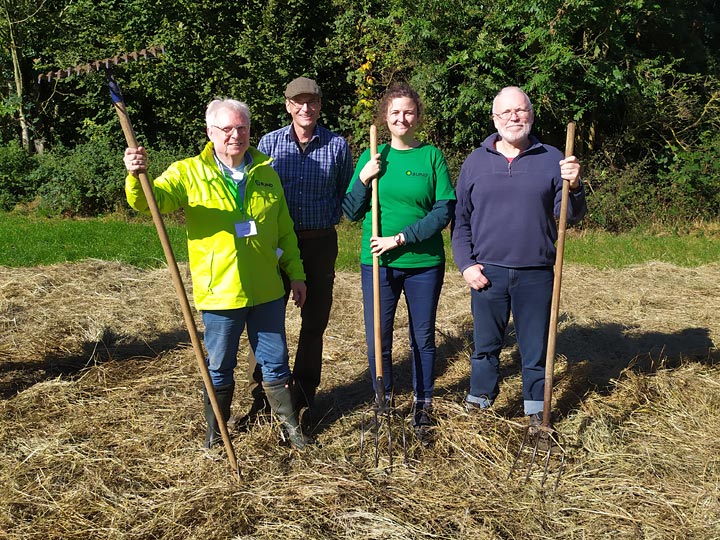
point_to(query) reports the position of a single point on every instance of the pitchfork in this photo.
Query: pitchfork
(129, 133)
(545, 439)
(383, 413)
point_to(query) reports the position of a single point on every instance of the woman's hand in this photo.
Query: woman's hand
(382, 244)
(370, 170)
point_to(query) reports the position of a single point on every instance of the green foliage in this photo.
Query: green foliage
(15, 166)
(84, 181)
(693, 180)
(620, 198)
(640, 77)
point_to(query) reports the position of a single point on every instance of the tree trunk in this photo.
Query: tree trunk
(25, 131)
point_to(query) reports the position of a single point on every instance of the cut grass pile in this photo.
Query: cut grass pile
(101, 421)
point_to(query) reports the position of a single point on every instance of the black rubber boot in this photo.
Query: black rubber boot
(224, 395)
(280, 398)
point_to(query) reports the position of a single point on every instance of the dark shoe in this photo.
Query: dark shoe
(302, 397)
(280, 398)
(306, 420)
(473, 407)
(545, 438)
(535, 424)
(422, 423)
(259, 407)
(223, 395)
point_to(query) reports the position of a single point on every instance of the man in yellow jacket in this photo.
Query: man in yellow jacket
(240, 235)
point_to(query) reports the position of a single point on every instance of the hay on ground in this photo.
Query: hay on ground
(101, 422)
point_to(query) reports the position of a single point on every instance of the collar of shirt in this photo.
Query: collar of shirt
(237, 174)
(293, 137)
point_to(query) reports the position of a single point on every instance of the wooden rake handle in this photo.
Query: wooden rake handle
(555, 305)
(377, 328)
(174, 272)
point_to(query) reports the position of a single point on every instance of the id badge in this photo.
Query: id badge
(243, 229)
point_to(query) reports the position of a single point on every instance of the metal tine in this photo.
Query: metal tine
(96, 65)
(554, 447)
(383, 417)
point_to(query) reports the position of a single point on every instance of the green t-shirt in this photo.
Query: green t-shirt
(410, 183)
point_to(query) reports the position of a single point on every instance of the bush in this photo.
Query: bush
(84, 181)
(15, 184)
(693, 180)
(681, 189)
(618, 199)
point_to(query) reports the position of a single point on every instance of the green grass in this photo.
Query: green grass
(35, 241)
(605, 250)
(593, 248)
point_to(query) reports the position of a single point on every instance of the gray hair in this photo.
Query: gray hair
(218, 104)
(508, 89)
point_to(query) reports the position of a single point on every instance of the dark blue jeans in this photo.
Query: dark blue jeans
(527, 293)
(421, 287)
(265, 331)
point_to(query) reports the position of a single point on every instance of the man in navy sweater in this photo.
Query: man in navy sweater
(503, 242)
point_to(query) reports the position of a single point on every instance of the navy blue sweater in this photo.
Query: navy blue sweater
(506, 212)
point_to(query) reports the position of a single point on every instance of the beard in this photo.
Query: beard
(514, 136)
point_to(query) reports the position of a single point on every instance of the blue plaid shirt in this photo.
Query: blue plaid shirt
(315, 180)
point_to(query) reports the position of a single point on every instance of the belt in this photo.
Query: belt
(314, 233)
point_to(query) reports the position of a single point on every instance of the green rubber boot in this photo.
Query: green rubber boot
(224, 395)
(280, 398)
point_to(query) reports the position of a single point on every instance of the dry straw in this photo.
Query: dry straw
(101, 423)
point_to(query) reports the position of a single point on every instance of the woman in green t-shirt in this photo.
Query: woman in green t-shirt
(416, 202)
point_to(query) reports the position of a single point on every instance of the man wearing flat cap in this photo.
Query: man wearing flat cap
(315, 167)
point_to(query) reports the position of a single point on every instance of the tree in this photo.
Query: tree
(14, 17)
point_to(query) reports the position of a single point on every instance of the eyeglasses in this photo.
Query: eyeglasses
(506, 115)
(228, 130)
(311, 103)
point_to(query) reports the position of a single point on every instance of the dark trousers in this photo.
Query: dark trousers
(421, 287)
(527, 293)
(319, 250)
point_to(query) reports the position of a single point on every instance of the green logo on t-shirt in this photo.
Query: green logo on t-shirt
(411, 173)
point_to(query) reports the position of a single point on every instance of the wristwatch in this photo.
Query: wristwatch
(399, 239)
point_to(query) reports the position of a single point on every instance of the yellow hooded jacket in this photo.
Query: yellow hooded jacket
(228, 271)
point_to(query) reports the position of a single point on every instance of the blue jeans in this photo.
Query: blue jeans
(266, 333)
(422, 290)
(527, 293)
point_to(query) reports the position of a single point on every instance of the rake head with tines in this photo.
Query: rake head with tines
(106, 64)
